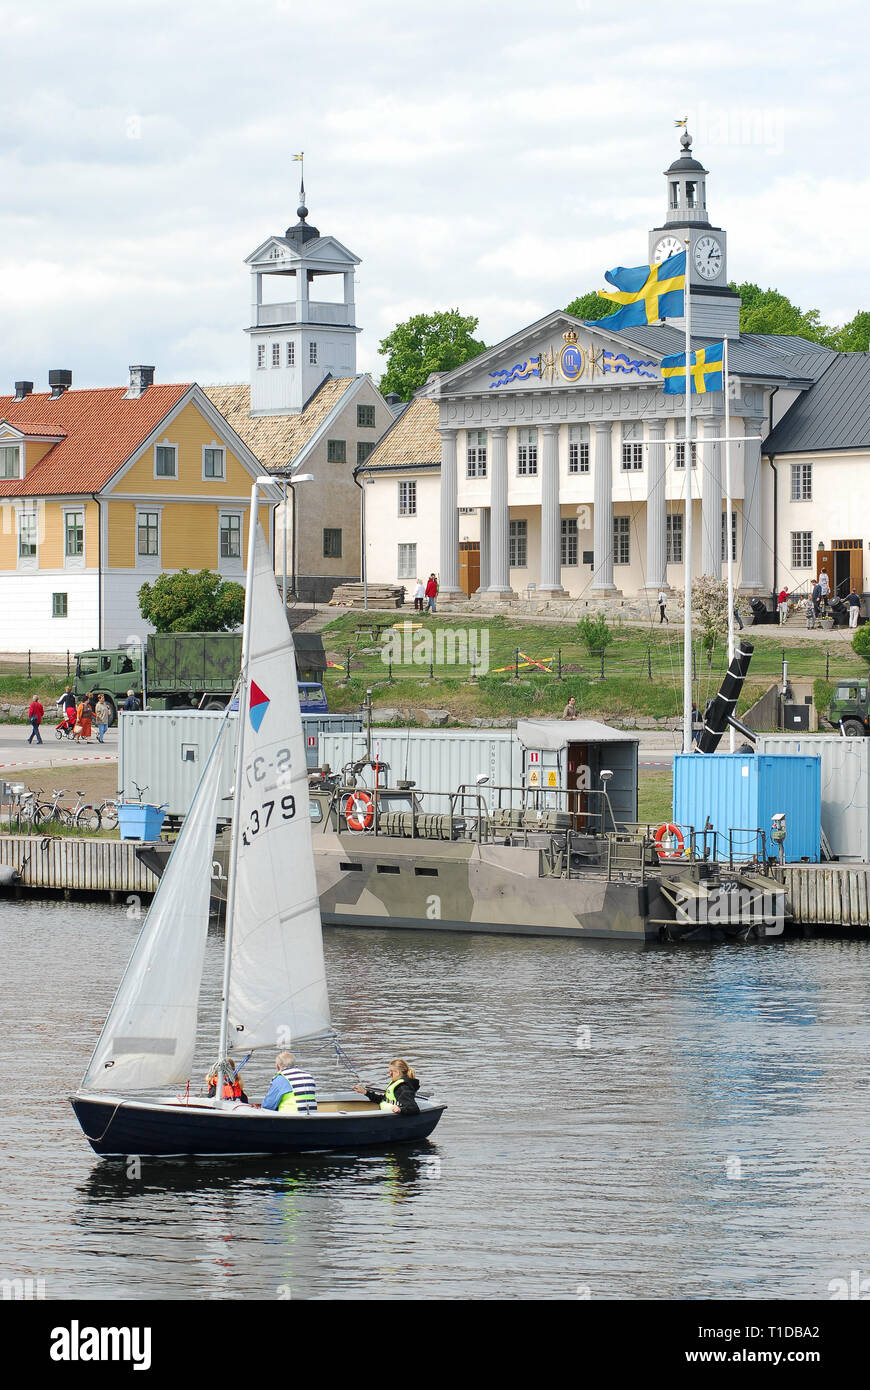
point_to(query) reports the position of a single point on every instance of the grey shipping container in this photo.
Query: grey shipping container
(166, 751)
(437, 760)
(845, 786)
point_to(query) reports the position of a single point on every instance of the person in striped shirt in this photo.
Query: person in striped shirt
(292, 1090)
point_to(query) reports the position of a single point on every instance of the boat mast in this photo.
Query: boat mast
(687, 567)
(237, 792)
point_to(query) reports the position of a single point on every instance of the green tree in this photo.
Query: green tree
(768, 311)
(427, 343)
(854, 336)
(590, 306)
(710, 611)
(594, 633)
(187, 602)
(861, 641)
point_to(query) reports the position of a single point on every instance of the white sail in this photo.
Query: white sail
(277, 988)
(148, 1038)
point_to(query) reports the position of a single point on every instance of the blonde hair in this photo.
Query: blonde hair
(407, 1072)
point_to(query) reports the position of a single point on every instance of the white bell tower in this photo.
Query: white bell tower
(297, 339)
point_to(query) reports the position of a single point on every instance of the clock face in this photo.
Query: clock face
(668, 246)
(708, 257)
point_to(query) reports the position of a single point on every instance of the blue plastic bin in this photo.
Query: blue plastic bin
(140, 822)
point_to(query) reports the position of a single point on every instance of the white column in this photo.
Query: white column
(449, 579)
(602, 576)
(750, 565)
(711, 501)
(483, 514)
(656, 522)
(551, 515)
(500, 576)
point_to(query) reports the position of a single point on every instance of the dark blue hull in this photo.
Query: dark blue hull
(116, 1127)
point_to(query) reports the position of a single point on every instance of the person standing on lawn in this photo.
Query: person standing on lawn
(35, 712)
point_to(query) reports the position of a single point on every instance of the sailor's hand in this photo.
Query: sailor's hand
(397, 1109)
(361, 1089)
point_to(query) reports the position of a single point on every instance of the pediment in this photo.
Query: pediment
(323, 250)
(559, 351)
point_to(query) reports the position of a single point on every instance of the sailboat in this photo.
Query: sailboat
(274, 992)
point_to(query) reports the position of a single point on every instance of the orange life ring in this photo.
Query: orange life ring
(673, 835)
(359, 811)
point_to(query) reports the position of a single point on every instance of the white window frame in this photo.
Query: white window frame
(680, 446)
(16, 449)
(149, 562)
(518, 544)
(527, 457)
(632, 447)
(230, 561)
(406, 562)
(166, 477)
(276, 354)
(406, 497)
(578, 449)
(30, 515)
(802, 554)
(570, 542)
(475, 454)
(290, 355)
(261, 357)
(724, 531)
(73, 562)
(674, 538)
(214, 446)
(801, 482)
(312, 353)
(621, 539)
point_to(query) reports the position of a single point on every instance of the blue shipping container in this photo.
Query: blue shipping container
(741, 792)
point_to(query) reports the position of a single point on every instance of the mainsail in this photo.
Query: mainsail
(277, 988)
(148, 1038)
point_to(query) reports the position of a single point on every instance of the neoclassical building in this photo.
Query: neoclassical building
(562, 445)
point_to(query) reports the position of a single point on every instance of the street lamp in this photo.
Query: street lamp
(293, 476)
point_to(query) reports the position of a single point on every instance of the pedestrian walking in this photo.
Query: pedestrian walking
(35, 712)
(662, 600)
(854, 602)
(817, 600)
(782, 605)
(419, 597)
(737, 618)
(825, 585)
(431, 593)
(103, 716)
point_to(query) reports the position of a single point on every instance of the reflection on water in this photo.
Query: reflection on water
(664, 1123)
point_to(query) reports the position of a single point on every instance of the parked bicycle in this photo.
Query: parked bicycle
(108, 812)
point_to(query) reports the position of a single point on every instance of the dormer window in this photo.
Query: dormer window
(10, 461)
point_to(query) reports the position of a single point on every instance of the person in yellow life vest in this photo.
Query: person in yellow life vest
(292, 1090)
(401, 1092)
(232, 1086)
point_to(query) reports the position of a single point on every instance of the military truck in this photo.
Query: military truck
(849, 706)
(184, 669)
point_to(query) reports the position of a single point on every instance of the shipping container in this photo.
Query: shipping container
(845, 774)
(436, 760)
(735, 795)
(166, 751)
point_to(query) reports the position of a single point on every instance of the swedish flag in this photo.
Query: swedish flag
(705, 371)
(647, 292)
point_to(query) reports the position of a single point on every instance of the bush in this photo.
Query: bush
(861, 641)
(594, 632)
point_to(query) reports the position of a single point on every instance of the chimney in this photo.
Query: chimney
(140, 379)
(22, 389)
(60, 380)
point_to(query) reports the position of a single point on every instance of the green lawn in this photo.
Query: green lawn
(643, 668)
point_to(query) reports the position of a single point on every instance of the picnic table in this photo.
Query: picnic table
(373, 629)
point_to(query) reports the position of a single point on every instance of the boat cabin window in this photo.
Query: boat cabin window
(315, 811)
(394, 801)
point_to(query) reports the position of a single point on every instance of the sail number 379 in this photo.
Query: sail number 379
(261, 816)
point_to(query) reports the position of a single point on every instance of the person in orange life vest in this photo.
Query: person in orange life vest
(231, 1089)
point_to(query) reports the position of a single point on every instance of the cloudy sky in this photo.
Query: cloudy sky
(497, 157)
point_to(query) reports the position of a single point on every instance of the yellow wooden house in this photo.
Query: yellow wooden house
(101, 490)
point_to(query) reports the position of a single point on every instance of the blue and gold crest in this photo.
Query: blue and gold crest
(572, 358)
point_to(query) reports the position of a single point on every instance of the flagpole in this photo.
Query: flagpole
(728, 538)
(687, 566)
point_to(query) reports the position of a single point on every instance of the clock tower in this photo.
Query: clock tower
(715, 308)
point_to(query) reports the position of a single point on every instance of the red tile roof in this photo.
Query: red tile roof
(101, 430)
